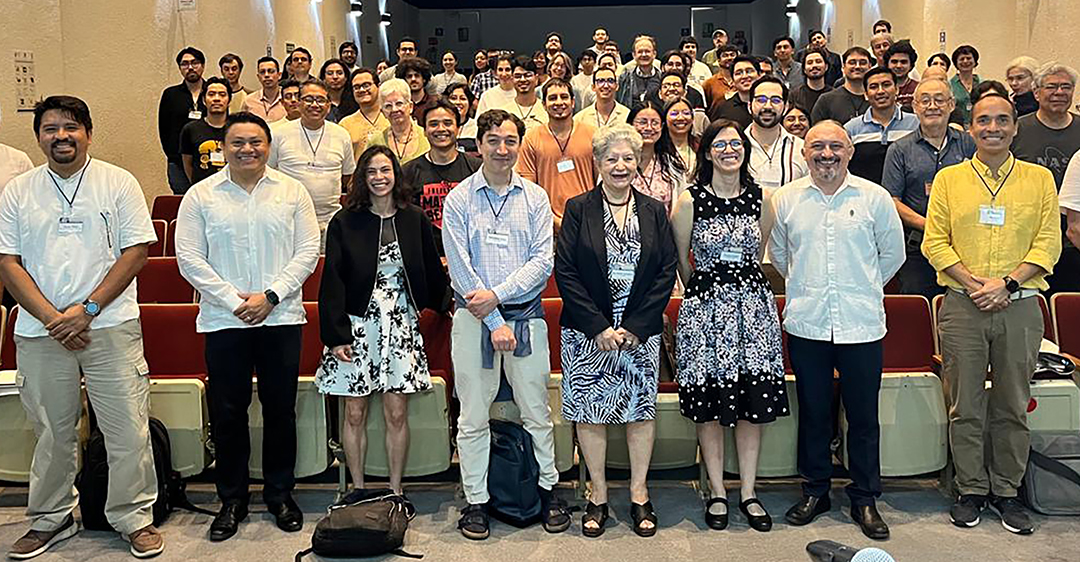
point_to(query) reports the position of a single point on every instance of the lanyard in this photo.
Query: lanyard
(82, 174)
(315, 148)
(521, 111)
(397, 143)
(562, 145)
(1000, 185)
(487, 194)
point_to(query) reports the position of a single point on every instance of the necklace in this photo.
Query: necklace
(397, 143)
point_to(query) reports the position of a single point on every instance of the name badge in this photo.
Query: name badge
(69, 226)
(500, 239)
(733, 255)
(217, 158)
(623, 271)
(991, 215)
(194, 114)
(565, 166)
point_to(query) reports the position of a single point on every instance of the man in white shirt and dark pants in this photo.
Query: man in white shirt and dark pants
(837, 241)
(246, 239)
(73, 235)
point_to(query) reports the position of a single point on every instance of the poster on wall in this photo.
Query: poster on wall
(186, 6)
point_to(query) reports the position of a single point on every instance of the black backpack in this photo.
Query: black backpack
(513, 476)
(373, 525)
(93, 480)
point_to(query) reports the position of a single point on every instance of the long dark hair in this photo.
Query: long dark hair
(348, 104)
(704, 169)
(359, 197)
(691, 139)
(671, 165)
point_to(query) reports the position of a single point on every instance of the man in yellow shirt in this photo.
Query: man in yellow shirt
(993, 234)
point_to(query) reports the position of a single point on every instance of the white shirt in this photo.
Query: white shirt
(229, 241)
(591, 116)
(317, 159)
(836, 254)
(699, 73)
(493, 98)
(12, 163)
(67, 262)
(1069, 197)
(782, 163)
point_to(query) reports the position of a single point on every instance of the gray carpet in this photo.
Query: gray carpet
(915, 510)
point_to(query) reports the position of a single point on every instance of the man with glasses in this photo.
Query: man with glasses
(744, 71)
(1049, 137)
(526, 105)
(347, 53)
(267, 103)
(911, 164)
(180, 105)
(368, 121)
(883, 124)
(776, 156)
(406, 49)
(849, 100)
(290, 100)
(316, 152)
(605, 112)
(643, 81)
(298, 64)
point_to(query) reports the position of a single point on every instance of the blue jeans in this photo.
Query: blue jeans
(178, 180)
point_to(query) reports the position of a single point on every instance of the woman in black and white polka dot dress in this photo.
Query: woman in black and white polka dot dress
(730, 366)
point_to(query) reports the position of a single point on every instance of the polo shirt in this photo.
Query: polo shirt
(872, 140)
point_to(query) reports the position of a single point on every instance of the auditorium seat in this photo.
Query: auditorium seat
(16, 432)
(165, 207)
(170, 239)
(157, 249)
(7, 341)
(159, 281)
(172, 347)
(310, 290)
(1066, 313)
(551, 290)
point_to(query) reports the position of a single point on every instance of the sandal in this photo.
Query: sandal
(474, 522)
(556, 515)
(640, 513)
(594, 514)
(762, 523)
(714, 521)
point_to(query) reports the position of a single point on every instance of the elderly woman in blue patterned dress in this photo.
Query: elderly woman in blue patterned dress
(730, 366)
(615, 267)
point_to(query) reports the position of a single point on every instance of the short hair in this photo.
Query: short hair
(441, 103)
(991, 89)
(299, 50)
(268, 58)
(882, 35)
(680, 75)
(247, 117)
(718, 31)
(610, 56)
(1051, 68)
(508, 57)
(230, 57)
(199, 56)
(555, 83)
(359, 196)
(555, 34)
(523, 61)
(612, 71)
(770, 79)
(965, 50)
(289, 83)
(902, 47)
(71, 106)
(687, 40)
(813, 32)
(493, 118)
(779, 40)
(943, 57)
(587, 54)
(606, 138)
(408, 39)
(888, 26)
(686, 62)
(643, 37)
(364, 70)
(348, 44)
(210, 82)
(396, 86)
(856, 50)
(414, 64)
(877, 71)
(939, 81)
(729, 48)
(747, 58)
(1023, 62)
(315, 82)
(817, 51)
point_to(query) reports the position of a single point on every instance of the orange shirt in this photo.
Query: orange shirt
(562, 170)
(716, 92)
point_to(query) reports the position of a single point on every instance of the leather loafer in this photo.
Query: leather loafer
(227, 521)
(288, 515)
(870, 521)
(807, 509)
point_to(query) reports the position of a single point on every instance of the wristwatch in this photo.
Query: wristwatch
(1012, 285)
(91, 308)
(272, 297)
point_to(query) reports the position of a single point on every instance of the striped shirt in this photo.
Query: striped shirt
(872, 140)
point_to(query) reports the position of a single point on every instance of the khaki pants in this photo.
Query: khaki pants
(114, 371)
(1006, 342)
(477, 387)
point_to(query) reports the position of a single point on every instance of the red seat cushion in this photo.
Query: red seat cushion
(1067, 318)
(159, 281)
(310, 289)
(157, 249)
(909, 341)
(7, 351)
(170, 239)
(170, 343)
(551, 290)
(552, 312)
(311, 345)
(165, 207)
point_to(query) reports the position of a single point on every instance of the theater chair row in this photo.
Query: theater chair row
(912, 410)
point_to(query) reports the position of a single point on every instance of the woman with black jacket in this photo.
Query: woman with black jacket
(382, 269)
(615, 266)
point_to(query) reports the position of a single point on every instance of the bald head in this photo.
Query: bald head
(828, 150)
(935, 73)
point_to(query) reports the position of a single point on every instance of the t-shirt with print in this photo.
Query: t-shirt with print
(205, 145)
(1050, 148)
(430, 183)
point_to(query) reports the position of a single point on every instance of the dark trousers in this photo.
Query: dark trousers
(918, 277)
(273, 352)
(1066, 275)
(860, 379)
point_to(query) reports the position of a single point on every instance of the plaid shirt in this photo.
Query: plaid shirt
(483, 82)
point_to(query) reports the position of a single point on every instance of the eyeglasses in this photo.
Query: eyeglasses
(928, 101)
(1064, 87)
(313, 100)
(648, 123)
(395, 105)
(675, 114)
(190, 64)
(525, 76)
(605, 81)
(775, 100)
(722, 145)
(363, 87)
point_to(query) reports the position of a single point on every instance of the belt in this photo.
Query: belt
(1021, 294)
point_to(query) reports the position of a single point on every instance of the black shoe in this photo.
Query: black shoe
(967, 510)
(762, 523)
(1013, 516)
(288, 515)
(807, 509)
(555, 514)
(640, 513)
(227, 521)
(594, 514)
(474, 522)
(714, 521)
(870, 521)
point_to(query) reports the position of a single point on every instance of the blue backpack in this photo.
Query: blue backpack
(513, 476)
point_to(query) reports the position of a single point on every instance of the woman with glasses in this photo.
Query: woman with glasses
(679, 120)
(404, 137)
(730, 366)
(661, 173)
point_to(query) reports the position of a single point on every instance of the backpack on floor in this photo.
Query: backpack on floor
(513, 476)
(372, 526)
(93, 480)
(1051, 485)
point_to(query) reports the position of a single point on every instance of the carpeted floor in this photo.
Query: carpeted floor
(915, 510)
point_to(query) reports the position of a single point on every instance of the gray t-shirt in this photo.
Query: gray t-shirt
(1052, 148)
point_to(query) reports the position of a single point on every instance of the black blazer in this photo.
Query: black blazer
(581, 269)
(352, 259)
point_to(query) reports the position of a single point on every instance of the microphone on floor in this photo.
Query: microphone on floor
(832, 551)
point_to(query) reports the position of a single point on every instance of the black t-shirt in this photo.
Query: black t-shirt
(205, 145)
(734, 109)
(804, 97)
(839, 105)
(1051, 148)
(430, 183)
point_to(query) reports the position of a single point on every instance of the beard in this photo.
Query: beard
(766, 118)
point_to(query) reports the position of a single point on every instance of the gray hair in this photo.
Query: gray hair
(395, 86)
(605, 139)
(1051, 68)
(1024, 63)
(939, 81)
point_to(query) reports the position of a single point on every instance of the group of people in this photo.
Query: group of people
(679, 175)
